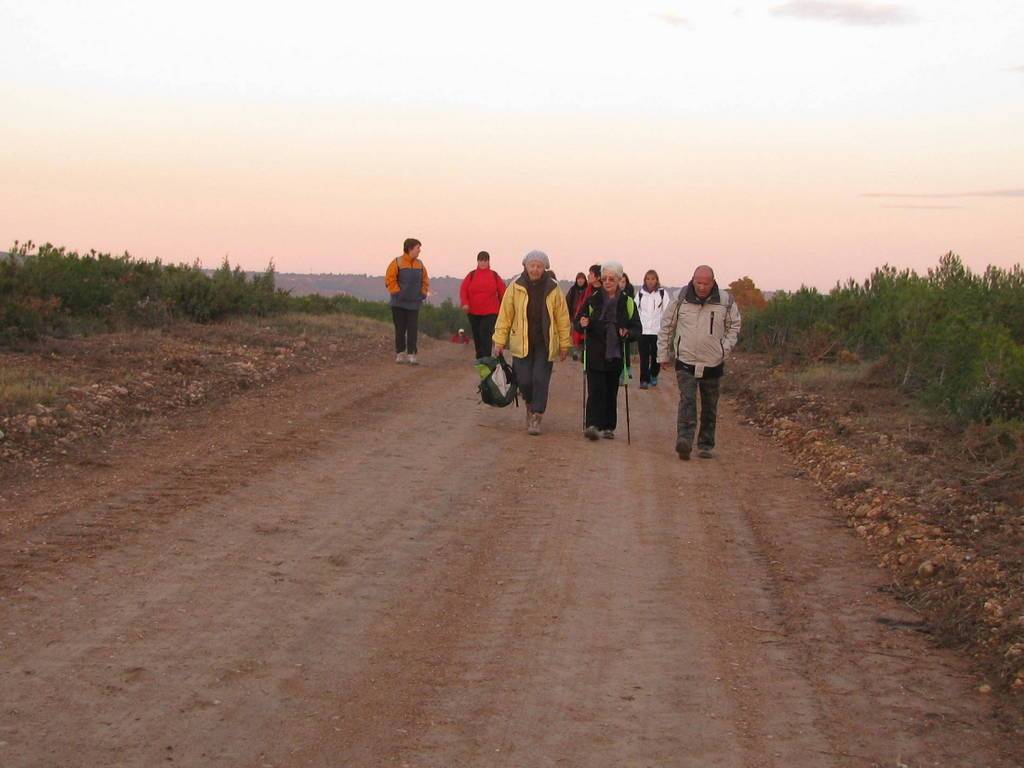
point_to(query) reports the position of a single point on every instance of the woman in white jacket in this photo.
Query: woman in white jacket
(651, 301)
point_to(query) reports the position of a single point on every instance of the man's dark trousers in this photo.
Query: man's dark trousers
(686, 421)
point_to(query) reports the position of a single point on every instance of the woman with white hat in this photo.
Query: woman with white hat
(533, 322)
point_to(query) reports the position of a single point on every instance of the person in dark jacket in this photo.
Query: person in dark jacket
(574, 298)
(407, 282)
(610, 321)
(626, 286)
(480, 294)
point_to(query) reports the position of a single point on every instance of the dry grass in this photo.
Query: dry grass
(830, 376)
(21, 389)
(301, 324)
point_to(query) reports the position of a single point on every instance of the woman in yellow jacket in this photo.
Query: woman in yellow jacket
(533, 322)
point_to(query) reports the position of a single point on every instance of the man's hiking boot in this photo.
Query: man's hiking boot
(683, 449)
(705, 453)
(591, 433)
(534, 424)
(411, 360)
(608, 434)
(401, 357)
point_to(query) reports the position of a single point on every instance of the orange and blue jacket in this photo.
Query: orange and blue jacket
(407, 282)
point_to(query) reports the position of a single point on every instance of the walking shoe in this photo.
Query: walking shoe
(608, 434)
(534, 427)
(683, 449)
(591, 433)
(401, 357)
(654, 381)
(644, 385)
(412, 360)
(704, 453)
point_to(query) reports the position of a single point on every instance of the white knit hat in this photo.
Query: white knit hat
(537, 256)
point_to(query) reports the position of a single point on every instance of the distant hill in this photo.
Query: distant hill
(371, 287)
(367, 286)
(360, 286)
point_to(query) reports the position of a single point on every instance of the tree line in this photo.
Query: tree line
(951, 337)
(52, 291)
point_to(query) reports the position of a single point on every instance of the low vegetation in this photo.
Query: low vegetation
(53, 291)
(952, 338)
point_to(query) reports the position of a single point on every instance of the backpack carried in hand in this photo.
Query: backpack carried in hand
(498, 386)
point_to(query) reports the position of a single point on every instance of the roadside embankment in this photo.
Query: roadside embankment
(941, 505)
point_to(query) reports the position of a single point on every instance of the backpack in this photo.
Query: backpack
(498, 385)
(661, 295)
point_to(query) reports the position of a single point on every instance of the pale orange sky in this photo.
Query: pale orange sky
(750, 137)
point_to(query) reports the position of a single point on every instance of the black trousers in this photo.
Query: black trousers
(483, 329)
(407, 323)
(602, 398)
(649, 365)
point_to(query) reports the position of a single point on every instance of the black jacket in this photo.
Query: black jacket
(596, 333)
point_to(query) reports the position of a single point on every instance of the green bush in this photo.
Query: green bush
(951, 337)
(55, 291)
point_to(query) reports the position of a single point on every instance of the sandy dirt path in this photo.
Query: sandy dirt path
(364, 567)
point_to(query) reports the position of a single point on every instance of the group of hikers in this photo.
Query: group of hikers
(598, 321)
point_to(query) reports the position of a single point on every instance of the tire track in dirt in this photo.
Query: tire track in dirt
(396, 576)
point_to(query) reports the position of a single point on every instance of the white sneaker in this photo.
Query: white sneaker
(412, 360)
(401, 358)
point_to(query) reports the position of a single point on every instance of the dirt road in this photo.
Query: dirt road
(362, 567)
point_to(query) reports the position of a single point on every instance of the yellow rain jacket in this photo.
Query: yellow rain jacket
(511, 330)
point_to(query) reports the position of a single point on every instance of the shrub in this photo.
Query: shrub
(950, 337)
(54, 291)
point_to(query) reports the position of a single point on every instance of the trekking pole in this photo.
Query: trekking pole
(585, 378)
(625, 380)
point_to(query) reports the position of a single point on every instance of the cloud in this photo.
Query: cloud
(926, 207)
(674, 20)
(852, 12)
(945, 195)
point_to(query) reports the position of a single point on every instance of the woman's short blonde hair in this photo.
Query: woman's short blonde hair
(612, 268)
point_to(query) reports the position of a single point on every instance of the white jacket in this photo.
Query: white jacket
(651, 307)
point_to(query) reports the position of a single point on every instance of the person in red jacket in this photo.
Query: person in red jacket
(480, 296)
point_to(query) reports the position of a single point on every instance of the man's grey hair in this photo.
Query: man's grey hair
(612, 268)
(704, 266)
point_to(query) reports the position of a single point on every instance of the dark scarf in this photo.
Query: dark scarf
(536, 293)
(691, 295)
(609, 316)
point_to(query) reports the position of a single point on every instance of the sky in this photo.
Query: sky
(792, 141)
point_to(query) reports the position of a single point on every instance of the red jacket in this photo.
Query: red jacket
(581, 301)
(481, 291)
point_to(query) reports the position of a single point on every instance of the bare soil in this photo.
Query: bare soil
(359, 565)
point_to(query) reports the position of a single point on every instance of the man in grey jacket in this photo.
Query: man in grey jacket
(698, 331)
